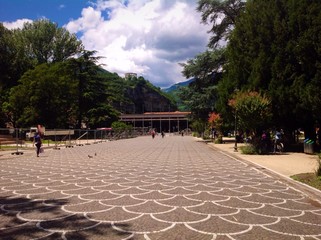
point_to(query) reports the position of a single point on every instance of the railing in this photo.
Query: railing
(15, 139)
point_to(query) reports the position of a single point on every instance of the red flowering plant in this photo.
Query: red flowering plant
(252, 114)
(253, 110)
(215, 122)
(214, 119)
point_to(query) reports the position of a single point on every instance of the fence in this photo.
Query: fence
(21, 138)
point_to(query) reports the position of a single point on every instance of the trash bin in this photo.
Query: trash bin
(308, 146)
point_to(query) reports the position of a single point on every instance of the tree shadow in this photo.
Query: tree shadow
(104, 230)
(23, 218)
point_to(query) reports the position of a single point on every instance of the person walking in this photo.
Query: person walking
(37, 142)
(163, 134)
(278, 145)
(153, 133)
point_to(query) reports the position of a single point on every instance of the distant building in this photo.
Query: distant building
(130, 75)
(161, 121)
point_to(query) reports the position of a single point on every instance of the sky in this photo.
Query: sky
(147, 37)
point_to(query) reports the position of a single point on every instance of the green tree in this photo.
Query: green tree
(45, 95)
(93, 106)
(201, 94)
(23, 49)
(50, 95)
(275, 48)
(120, 126)
(252, 111)
(222, 14)
(6, 53)
(44, 42)
(5, 67)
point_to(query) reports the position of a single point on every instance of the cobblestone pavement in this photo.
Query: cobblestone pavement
(144, 188)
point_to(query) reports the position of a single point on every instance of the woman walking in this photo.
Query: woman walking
(37, 142)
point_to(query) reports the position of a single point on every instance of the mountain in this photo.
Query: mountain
(173, 91)
(136, 95)
(145, 97)
(177, 85)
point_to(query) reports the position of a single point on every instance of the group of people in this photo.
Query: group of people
(153, 133)
(277, 141)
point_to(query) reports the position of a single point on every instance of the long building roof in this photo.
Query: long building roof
(157, 115)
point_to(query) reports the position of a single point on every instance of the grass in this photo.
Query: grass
(308, 178)
(7, 148)
(311, 179)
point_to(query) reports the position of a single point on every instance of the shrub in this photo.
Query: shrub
(219, 140)
(248, 149)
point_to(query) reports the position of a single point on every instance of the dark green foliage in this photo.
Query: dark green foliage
(45, 95)
(249, 149)
(23, 49)
(222, 15)
(74, 93)
(43, 42)
(252, 111)
(200, 96)
(275, 49)
(92, 106)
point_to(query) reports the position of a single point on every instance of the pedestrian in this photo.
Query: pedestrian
(153, 133)
(37, 142)
(278, 140)
(318, 133)
(163, 134)
(264, 141)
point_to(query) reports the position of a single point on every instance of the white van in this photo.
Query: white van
(32, 131)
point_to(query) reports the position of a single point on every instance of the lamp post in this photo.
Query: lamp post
(235, 146)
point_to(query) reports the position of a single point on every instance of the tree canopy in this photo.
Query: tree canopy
(222, 15)
(201, 94)
(273, 48)
(43, 42)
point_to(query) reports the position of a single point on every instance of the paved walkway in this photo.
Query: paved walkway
(287, 164)
(143, 188)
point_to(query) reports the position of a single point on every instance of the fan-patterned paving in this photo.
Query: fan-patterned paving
(143, 188)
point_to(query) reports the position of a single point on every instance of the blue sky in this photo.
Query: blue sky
(59, 11)
(148, 37)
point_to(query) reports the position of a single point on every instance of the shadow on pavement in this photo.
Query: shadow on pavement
(23, 218)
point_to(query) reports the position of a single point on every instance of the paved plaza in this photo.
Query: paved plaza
(143, 188)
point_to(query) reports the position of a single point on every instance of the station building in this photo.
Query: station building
(160, 121)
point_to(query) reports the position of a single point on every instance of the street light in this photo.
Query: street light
(235, 146)
(235, 132)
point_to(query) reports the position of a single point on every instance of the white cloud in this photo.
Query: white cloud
(16, 24)
(149, 37)
(89, 21)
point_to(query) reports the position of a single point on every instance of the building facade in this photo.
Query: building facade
(160, 121)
